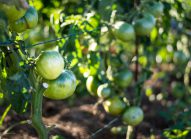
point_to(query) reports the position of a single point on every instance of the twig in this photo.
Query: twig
(102, 129)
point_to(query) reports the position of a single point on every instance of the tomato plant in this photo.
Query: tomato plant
(129, 55)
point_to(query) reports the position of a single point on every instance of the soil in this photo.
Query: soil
(81, 119)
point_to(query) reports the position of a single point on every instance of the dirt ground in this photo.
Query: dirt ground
(81, 119)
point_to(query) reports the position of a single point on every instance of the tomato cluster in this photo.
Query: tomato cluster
(60, 83)
(118, 75)
(20, 19)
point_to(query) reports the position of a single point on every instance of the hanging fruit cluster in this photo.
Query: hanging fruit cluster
(61, 82)
(118, 75)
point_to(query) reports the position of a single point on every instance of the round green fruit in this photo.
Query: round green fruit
(144, 25)
(104, 91)
(49, 64)
(12, 12)
(154, 8)
(114, 106)
(123, 78)
(28, 21)
(92, 84)
(124, 31)
(133, 116)
(62, 87)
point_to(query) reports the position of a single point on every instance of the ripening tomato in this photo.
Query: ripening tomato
(49, 64)
(123, 78)
(133, 116)
(62, 87)
(114, 106)
(144, 25)
(92, 84)
(104, 91)
(28, 21)
(12, 12)
(124, 31)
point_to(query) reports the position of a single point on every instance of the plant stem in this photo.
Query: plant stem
(37, 98)
(137, 59)
(129, 134)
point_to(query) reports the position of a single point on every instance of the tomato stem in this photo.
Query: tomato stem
(36, 113)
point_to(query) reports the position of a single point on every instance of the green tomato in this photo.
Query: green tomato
(124, 31)
(28, 21)
(154, 8)
(12, 12)
(144, 25)
(104, 91)
(49, 64)
(19, 25)
(178, 90)
(92, 84)
(123, 78)
(62, 87)
(133, 116)
(114, 106)
(31, 17)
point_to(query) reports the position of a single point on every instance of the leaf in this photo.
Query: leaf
(17, 92)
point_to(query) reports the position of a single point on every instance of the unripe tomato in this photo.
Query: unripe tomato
(144, 25)
(62, 87)
(154, 8)
(104, 91)
(133, 116)
(28, 21)
(114, 106)
(92, 84)
(49, 64)
(31, 17)
(124, 31)
(19, 25)
(12, 12)
(123, 78)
